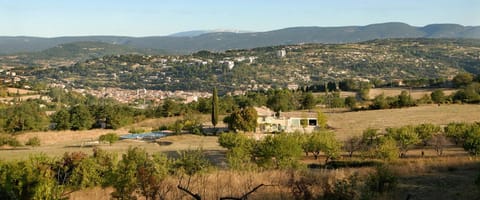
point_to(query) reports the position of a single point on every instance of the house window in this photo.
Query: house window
(312, 122)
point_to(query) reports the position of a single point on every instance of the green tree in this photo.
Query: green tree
(80, 118)
(405, 100)
(214, 107)
(240, 150)
(472, 139)
(386, 149)
(308, 101)
(109, 137)
(192, 162)
(369, 136)
(178, 126)
(324, 141)
(96, 170)
(26, 116)
(462, 79)
(125, 176)
(322, 119)
(351, 102)
(304, 124)
(426, 131)
(232, 140)
(405, 136)
(244, 119)
(456, 131)
(61, 119)
(382, 180)
(31, 179)
(438, 96)
(364, 93)
(151, 177)
(170, 108)
(281, 151)
(281, 101)
(379, 102)
(141, 173)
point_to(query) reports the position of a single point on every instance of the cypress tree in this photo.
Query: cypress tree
(214, 107)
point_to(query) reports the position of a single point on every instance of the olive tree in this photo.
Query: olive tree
(324, 141)
(405, 136)
(279, 151)
(426, 131)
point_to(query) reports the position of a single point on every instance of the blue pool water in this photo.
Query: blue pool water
(141, 136)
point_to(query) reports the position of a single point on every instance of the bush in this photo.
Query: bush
(109, 137)
(192, 162)
(282, 151)
(349, 188)
(240, 149)
(33, 142)
(387, 149)
(382, 180)
(9, 140)
(472, 140)
(30, 179)
(139, 173)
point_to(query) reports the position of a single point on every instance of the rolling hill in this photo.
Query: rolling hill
(220, 41)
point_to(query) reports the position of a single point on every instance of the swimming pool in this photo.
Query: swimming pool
(146, 136)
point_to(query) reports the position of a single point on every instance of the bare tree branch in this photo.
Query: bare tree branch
(195, 196)
(243, 197)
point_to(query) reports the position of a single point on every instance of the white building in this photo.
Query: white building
(230, 64)
(286, 121)
(281, 53)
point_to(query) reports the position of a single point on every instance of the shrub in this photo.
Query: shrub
(282, 151)
(405, 136)
(109, 137)
(387, 149)
(472, 140)
(231, 140)
(33, 142)
(348, 188)
(382, 180)
(30, 179)
(9, 140)
(192, 162)
(240, 149)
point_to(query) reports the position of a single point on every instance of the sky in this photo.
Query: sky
(138, 18)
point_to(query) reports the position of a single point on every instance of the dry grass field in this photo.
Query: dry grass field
(415, 93)
(347, 124)
(19, 91)
(390, 92)
(443, 178)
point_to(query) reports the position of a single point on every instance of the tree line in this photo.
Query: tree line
(284, 150)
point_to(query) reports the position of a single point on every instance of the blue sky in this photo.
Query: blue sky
(52, 18)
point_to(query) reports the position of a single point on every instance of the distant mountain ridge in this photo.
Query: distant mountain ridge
(221, 41)
(86, 50)
(196, 33)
